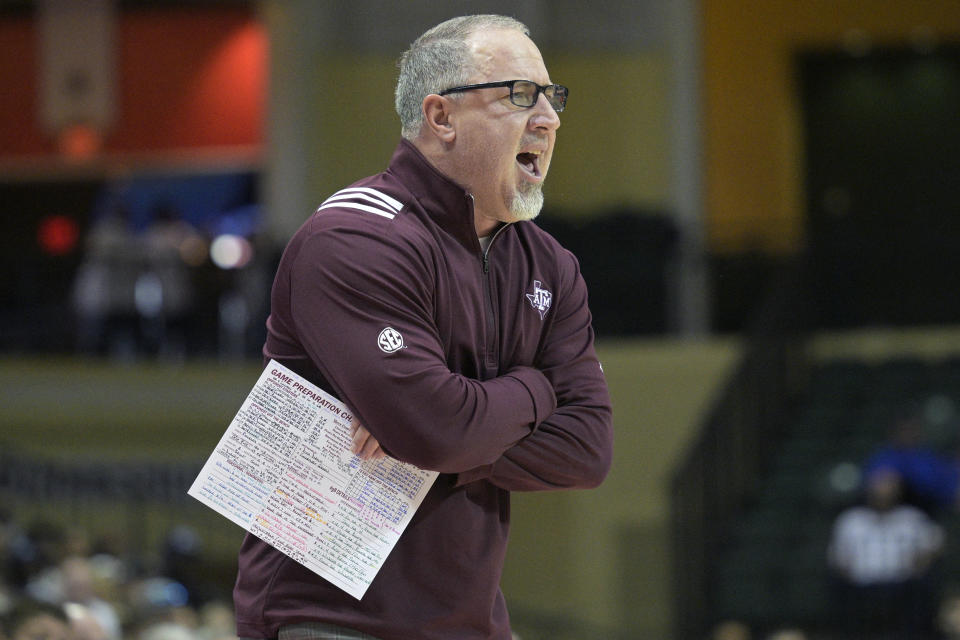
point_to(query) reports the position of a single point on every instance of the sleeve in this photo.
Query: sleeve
(573, 447)
(347, 286)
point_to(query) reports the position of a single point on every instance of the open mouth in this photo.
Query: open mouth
(530, 163)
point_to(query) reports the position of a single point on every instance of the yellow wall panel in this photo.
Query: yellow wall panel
(613, 147)
(354, 126)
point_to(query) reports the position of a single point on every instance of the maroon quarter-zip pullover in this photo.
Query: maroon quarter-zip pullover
(477, 364)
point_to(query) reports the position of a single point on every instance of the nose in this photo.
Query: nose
(544, 117)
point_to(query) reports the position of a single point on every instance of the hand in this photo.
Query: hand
(364, 446)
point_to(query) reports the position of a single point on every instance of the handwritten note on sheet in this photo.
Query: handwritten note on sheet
(283, 471)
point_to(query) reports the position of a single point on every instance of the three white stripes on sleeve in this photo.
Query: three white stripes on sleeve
(379, 203)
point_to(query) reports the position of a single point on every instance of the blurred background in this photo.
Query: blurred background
(764, 196)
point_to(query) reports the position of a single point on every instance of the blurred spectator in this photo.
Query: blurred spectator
(34, 550)
(84, 625)
(731, 630)
(78, 587)
(72, 583)
(882, 552)
(16, 550)
(103, 290)
(217, 621)
(31, 620)
(182, 563)
(164, 289)
(167, 631)
(153, 598)
(948, 620)
(931, 479)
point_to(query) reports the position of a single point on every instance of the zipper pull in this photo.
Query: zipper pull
(486, 263)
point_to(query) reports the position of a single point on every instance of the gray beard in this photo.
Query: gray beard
(527, 202)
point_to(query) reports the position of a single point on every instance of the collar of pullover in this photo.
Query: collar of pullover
(445, 201)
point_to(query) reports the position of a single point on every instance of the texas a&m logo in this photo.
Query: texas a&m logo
(540, 299)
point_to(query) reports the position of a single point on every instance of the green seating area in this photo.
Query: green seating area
(772, 568)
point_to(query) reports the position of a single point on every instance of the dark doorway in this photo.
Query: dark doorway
(882, 138)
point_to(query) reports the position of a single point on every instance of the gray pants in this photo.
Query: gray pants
(318, 631)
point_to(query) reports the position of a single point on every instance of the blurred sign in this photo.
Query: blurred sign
(77, 60)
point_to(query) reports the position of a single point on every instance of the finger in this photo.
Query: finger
(369, 449)
(378, 452)
(358, 437)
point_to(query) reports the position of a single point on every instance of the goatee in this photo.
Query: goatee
(527, 201)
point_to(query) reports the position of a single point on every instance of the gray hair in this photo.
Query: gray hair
(438, 60)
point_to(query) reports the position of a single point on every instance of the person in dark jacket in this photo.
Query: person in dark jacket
(456, 330)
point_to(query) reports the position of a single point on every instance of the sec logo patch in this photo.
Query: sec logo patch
(390, 340)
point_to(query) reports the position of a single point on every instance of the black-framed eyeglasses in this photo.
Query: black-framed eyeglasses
(523, 93)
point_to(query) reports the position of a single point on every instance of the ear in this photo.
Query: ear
(437, 112)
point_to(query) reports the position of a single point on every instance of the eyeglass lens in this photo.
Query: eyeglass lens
(525, 94)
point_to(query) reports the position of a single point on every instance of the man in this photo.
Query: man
(458, 333)
(882, 552)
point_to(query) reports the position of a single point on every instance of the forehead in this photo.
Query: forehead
(506, 54)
